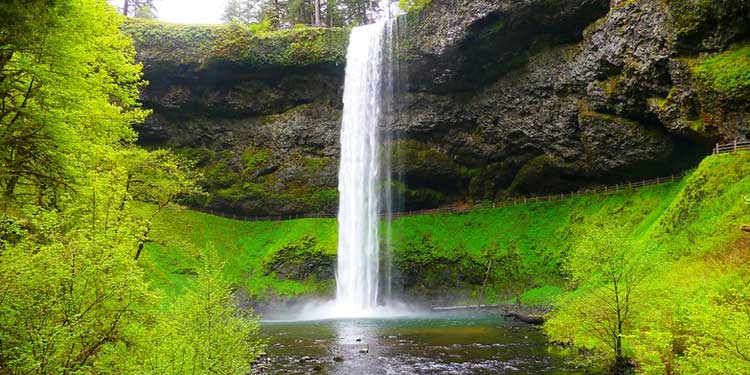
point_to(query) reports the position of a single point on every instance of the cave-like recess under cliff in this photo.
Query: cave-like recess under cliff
(501, 98)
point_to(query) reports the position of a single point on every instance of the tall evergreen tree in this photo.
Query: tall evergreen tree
(133, 7)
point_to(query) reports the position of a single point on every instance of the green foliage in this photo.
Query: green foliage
(74, 299)
(254, 184)
(69, 88)
(693, 18)
(511, 271)
(253, 161)
(138, 8)
(72, 290)
(431, 268)
(607, 269)
(301, 260)
(158, 176)
(538, 236)
(542, 295)
(200, 46)
(413, 5)
(688, 304)
(727, 73)
(203, 332)
(172, 257)
(717, 326)
(241, 12)
(146, 12)
(682, 238)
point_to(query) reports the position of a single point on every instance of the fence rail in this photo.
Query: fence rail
(732, 147)
(468, 206)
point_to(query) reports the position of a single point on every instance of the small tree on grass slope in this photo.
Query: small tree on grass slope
(608, 269)
(203, 331)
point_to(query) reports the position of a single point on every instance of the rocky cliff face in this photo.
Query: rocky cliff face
(543, 96)
(259, 111)
(504, 97)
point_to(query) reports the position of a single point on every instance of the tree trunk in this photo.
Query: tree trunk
(142, 242)
(10, 186)
(277, 14)
(484, 283)
(619, 360)
(317, 13)
(528, 319)
(125, 7)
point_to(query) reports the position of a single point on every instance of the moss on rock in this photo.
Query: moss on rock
(696, 20)
(202, 45)
(727, 73)
(301, 259)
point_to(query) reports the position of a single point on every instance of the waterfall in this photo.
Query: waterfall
(366, 194)
(367, 94)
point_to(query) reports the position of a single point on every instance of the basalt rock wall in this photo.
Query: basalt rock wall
(502, 97)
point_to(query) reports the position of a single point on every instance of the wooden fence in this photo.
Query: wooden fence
(468, 206)
(732, 147)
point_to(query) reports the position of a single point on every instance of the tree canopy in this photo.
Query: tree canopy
(283, 13)
(74, 299)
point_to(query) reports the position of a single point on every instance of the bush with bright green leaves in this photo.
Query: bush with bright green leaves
(203, 332)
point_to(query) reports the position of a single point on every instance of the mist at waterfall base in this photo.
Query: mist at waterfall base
(362, 290)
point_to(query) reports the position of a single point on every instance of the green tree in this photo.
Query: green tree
(72, 297)
(71, 288)
(608, 270)
(136, 7)
(68, 93)
(157, 177)
(716, 337)
(243, 12)
(146, 12)
(203, 332)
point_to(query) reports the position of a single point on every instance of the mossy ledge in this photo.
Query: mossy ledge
(164, 45)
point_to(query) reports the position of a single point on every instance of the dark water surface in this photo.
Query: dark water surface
(435, 344)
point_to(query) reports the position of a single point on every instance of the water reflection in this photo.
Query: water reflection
(358, 346)
(442, 344)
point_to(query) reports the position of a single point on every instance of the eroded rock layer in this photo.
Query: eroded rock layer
(503, 97)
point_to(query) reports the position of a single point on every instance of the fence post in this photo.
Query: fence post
(735, 145)
(716, 149)
(643, 183)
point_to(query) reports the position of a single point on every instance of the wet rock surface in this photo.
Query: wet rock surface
(503, 97)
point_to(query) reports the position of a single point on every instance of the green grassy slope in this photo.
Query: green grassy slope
(692, 216)
(691, 313)
(180, 236)
(540, 233)
(695, 303)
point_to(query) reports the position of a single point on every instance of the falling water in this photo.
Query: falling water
(365, 179)
(360, 172)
